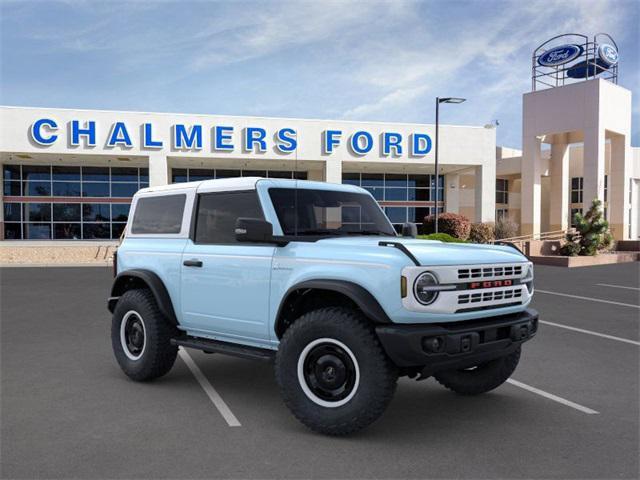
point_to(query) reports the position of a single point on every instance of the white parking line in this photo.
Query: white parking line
(616, 286)
(553, 397)
(590, 332)
(211, 392)
(588, 298)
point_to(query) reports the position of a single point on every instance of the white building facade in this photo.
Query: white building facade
(70, 174)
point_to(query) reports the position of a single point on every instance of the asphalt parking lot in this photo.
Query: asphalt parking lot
(67, 411)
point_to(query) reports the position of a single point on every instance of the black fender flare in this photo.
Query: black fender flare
(151, 281)
(363, 299)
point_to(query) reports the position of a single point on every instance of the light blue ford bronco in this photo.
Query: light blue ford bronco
(313, 277)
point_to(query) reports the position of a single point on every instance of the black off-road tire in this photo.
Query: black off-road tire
(377, 375)
(158, 355)
(482, 378)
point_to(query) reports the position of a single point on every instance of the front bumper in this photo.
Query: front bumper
(458, 344)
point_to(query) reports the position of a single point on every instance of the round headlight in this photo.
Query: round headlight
(423, 288)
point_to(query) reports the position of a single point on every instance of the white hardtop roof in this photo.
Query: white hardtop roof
(236, 183)
(244, 183)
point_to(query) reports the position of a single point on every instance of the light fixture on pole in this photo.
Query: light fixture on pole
(438, 102)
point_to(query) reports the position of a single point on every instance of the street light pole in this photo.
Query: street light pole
(436, 153)
(438, 102)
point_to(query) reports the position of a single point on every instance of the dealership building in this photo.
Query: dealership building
(70, 174)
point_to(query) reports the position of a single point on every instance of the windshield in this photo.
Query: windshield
(327, 213)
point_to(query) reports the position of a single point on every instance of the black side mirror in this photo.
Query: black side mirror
(253, 230)
(409, 230)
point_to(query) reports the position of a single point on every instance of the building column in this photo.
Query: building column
(531, 186)
(333, 170)
(618, 190)
(158, 170)
(559, 201)
(452, 192)
(593, 166)
(485, 192)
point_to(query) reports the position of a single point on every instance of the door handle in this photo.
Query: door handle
(192, 263)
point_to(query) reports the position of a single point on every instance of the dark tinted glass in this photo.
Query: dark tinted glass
(66, 173)
(351, 178)
(36, 172)
(275, 174)
(419, 194)
(117, 229)
(227, 173)
(13, 231)
(377, 192)
(37, 231)
(300, 175)
(575, 197)
(11, 172)
(67, 231)
(218, 212)
(95, 174)
(159, 214)
(66, 212)
(396, 214)
(419, 181)
(254, 173)
(93, 189)
(144, 175)
(12, 189)
(95, 230)
(120, 174)
(321, 212)
(123, 190)
(197, 174)
(179, 175)
(421, 213)
(37, 189)
(12, 212)
(372, 179)
(575, 183)
(66, 189)
(120, 212)
(395, 194)
(95, 212)
(395, 180)
(37, 212)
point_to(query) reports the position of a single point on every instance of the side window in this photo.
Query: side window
(158, 215)
(218, 212)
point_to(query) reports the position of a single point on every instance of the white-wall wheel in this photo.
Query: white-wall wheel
(328, 372)
(133, 335)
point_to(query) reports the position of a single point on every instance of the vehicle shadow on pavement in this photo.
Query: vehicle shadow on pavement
(250, 390)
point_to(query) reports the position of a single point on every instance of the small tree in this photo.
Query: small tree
(506, 228)
(592, 233)
(482, 233)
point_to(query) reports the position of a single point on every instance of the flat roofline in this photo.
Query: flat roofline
(240, 117)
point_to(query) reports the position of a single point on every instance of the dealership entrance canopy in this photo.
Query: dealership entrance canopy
(70, 174)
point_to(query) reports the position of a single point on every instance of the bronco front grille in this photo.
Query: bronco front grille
(489, 272)
(493, 296)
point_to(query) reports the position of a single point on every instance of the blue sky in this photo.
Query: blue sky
(367, 60)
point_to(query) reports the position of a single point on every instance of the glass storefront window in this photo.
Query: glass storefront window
(179, 175)
(48, 219)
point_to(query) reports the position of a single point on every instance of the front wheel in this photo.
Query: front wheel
(481, 378)
(332, 372)
(141, 336)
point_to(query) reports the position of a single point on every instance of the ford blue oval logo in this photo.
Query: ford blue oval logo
(560, 55)
(608, 54)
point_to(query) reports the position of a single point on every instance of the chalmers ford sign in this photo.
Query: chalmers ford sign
(220, 138)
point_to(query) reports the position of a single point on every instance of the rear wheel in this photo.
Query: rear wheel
(141, 336)
(481, 378)
(332, 372)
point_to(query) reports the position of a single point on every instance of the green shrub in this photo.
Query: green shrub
(482, 232)
(592, 233)
(457, 226)
(443, 237)
(506, 228)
